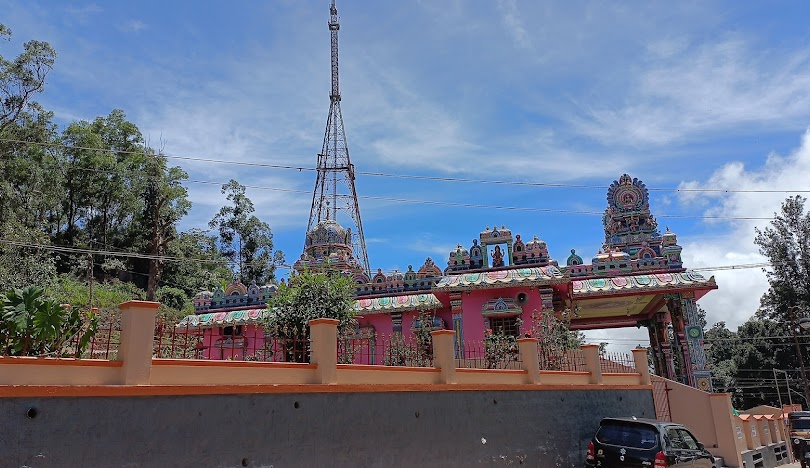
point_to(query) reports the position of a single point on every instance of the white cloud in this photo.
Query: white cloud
(511, 19)
(693, 91)
(740, 290)
(133, 25)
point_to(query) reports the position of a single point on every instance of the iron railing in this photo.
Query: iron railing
(617, 363)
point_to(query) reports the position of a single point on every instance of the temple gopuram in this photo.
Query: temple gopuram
(636, 279)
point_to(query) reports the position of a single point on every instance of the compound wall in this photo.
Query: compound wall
(540, 428)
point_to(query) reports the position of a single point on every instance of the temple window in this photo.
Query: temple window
(506, 325)
(232, 331)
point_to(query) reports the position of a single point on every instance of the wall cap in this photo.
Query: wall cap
(442, 332)
(528, 340)
(139, 304)
(324, 321)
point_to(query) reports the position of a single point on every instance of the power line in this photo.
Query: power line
(406, 176)
(68, 249)
(112, 253)
(447, 203)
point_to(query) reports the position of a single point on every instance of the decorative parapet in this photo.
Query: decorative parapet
(397, 303)
(642, 283)
(535, 276)
(223, 319)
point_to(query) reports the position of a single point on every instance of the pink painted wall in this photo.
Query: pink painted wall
(473, 322)
(381, 322)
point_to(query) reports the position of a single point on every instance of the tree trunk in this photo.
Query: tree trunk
(152, 282)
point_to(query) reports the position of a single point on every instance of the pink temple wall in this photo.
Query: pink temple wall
(474, 324)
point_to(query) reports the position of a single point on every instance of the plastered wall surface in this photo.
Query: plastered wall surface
(543, 428)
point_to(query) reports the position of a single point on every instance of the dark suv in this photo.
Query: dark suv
(630, 442)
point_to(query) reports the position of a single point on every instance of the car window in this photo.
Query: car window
(802, 424)
(628, 435)
(688, 439)
(675, 439)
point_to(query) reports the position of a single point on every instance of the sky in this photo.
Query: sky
(699, 95)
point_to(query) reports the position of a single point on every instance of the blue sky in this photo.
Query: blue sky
(680, 94)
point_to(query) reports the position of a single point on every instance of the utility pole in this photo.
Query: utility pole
(778, 392)
(801, 365)
(90, 278)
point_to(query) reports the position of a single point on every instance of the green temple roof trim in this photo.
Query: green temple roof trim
(393, 303)
(642, 283)
(223, 319)
(502, 278)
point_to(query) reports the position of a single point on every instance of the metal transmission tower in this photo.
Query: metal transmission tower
(334, 187)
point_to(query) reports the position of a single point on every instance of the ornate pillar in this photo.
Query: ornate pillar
(661, 345)
(485, 249)
(680, 351)
(458, 325)
(700, 375)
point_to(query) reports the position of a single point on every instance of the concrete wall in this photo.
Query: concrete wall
(539, 428)
(709, 416)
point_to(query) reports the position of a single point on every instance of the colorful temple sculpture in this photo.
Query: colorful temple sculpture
(637, 279)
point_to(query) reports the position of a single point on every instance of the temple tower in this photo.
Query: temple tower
(335, 194)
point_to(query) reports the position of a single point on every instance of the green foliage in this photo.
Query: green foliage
(66, 289)
(173, 298)
(204, 267)
(742, 362)
(35, 325)
(500, 349)
(309, 296)
(786, 244)
(416, 354)
(22, 77)
(553, 332)
(245, 239)
(24, 266)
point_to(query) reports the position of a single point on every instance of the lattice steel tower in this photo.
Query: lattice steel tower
(334, 187)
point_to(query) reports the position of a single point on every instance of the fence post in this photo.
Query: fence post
(137, 335)
(444, 354)
(323, 332)
(529, 361)
(642, 365)
(592, 362)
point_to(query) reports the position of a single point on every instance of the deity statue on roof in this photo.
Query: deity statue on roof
(497, 257)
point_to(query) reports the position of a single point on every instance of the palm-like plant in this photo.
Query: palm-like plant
(32, 324)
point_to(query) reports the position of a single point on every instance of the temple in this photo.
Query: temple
(636, 279)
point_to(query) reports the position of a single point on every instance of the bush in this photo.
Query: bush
(34, 325)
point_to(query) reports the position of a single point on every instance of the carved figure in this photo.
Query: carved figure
(497, 257)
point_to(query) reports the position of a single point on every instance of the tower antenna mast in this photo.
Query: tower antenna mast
(334, 187)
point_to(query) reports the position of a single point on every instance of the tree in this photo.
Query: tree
(308, 296)
(165, 203)
(202, 267)
(786, 244)
(22, 77)
(244, 239)
(103, 166)
(720, 356)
